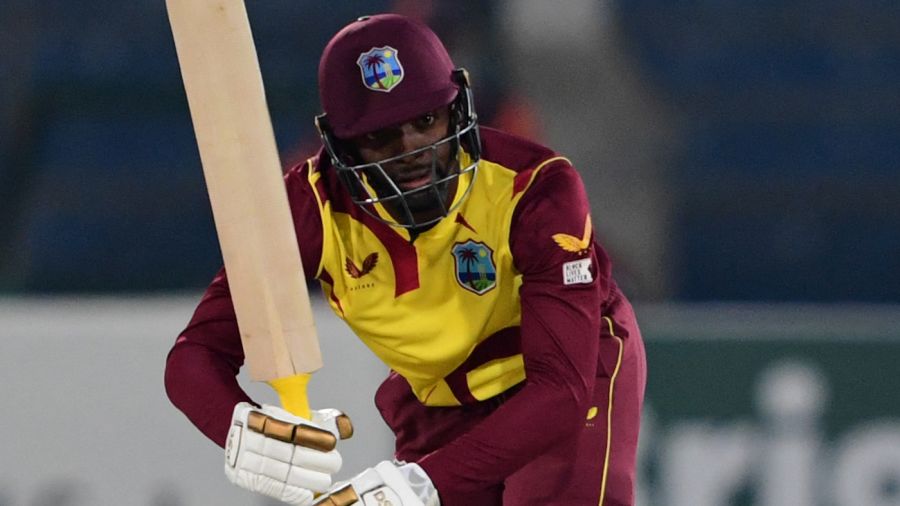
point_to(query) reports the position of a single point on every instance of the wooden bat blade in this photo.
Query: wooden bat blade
(237, 146)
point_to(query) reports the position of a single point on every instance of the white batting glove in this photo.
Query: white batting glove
(283, 456)
(388, 483)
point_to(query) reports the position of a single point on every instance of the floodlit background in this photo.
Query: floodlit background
(743, 163)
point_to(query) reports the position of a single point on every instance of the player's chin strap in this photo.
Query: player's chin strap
(388, 483)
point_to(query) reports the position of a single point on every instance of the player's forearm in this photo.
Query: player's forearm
(202, 384)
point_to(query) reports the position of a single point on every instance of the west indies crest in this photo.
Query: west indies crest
(475, 269)
(381, 69)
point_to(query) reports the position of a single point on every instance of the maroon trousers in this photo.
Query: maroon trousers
(596, 466)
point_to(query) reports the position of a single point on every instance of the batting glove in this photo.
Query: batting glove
(388, 483)
(289, 458)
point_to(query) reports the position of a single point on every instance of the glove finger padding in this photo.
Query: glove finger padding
(386, 483)
(277, 458)
(283, 456)
(335, 421)
(321, 433)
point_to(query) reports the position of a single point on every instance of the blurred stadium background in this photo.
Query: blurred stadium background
(743, 161)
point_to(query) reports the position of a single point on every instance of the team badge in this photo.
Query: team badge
(381, 70)
(475, 269)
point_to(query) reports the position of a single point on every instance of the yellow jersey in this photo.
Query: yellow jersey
(425, 304)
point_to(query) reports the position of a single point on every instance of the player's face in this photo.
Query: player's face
(416, 171)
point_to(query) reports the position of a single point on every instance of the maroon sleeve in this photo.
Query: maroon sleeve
(202, 366)
(559, 335)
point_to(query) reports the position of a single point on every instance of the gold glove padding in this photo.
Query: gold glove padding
(343, 497)
(300, 434)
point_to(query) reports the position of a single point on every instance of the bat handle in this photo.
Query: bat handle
(292, 393)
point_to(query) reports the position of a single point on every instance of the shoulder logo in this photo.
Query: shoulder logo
(475, 270)
(367, 266)
(381, 69)
(574, 244)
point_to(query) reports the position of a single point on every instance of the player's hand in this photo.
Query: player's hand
(391, 483)
(283, 456)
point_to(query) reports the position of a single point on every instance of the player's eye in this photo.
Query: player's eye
(427, 119)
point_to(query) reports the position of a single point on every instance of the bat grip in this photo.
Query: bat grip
(292, 393)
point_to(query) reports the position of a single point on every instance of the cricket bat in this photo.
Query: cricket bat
(243, 175)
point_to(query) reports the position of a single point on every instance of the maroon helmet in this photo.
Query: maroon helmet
(381, 71)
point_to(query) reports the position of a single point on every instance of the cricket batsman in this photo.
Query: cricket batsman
(466, 260)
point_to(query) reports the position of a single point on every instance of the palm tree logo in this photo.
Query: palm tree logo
(469, 258)
(381, 69)
(475, 269)
(373, 63)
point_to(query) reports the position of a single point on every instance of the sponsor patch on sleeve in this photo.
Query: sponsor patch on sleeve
(577, 272)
